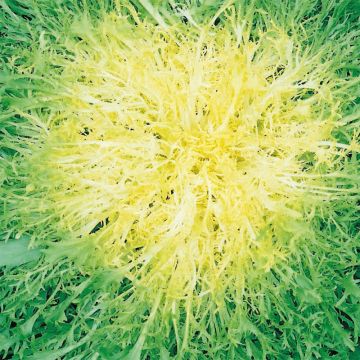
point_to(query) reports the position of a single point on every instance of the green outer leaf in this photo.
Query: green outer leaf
(16, 252)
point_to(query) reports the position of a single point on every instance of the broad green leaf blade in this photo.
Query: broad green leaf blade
(16, 252)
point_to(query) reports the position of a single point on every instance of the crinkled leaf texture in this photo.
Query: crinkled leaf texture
(188, 174)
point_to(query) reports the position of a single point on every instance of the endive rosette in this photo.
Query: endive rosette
(186, 175)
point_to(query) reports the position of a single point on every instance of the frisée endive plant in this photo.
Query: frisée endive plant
(180, 179)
